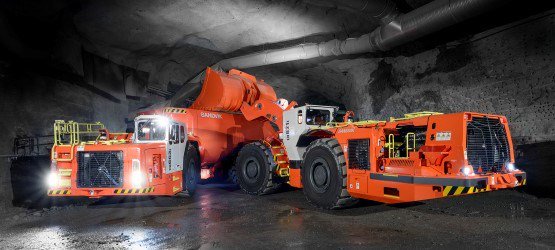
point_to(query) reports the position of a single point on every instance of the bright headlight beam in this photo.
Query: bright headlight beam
(511, 167)
(52, 179)
(467, 170)
(137, 179)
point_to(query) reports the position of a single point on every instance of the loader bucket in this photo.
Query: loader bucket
(227, 92)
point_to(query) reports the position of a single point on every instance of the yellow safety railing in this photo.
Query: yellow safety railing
(359, 123)
(391, 119)
(410, 145)
(407, 141)
(70, 134)
(414, 115)
(391, 146)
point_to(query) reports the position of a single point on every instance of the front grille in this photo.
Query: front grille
(100, 169)
(359, 154)
(487, 144)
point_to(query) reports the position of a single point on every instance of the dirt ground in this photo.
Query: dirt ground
(220, 216)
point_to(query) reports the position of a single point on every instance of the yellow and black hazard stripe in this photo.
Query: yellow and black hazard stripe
(175, 110)
(458, 190)
(59, 192)
(134, 191)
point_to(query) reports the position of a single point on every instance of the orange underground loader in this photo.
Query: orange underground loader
(421, 156)
(170, 150)
(336, 161)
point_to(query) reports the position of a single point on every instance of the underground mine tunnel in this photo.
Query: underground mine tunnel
(277, 124)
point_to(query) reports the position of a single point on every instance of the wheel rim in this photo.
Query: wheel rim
(320, 175)
(251, 169)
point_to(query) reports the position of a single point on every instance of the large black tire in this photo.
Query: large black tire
(232, 177)
(254, 169)
(191, 169)
(324, 175)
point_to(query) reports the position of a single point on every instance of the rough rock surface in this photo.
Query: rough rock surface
(507, 70)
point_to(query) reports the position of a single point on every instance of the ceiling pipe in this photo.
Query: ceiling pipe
(425, 20)
(383, 11)
(396, 29)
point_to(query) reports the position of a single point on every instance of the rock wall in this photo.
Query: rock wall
(32, 101)
(508, 70)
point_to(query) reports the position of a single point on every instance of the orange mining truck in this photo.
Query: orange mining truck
(170, 150)
(334, 159)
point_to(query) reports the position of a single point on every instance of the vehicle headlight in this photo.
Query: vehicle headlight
(136, 165)
(467, 170)
(510, 167)
(137, 177)
(52, 180)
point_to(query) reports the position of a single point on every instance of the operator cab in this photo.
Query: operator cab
(315, 116)
(161, 129)
(318, 117)
(299, 122)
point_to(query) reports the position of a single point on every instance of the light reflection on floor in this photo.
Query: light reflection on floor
(220, 217)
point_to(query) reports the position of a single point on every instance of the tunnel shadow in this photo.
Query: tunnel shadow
(366, 207)
(537, 161)
(220, 184)
(143, 201)
(361, 208)
(295, 198)
(28, 184)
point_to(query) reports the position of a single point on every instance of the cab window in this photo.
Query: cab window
(317, 116)
(181, 134)
(174, 134)
(151, 130)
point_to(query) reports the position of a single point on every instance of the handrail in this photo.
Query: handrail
(359, 123)
(407, 139)
(391, 143)
(74, 131)
(414, 115)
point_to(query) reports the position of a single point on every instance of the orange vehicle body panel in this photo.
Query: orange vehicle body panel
(428, 163)
(217, 134)
(227, 92)
(234, 109)
(164, 184)
(213, 123)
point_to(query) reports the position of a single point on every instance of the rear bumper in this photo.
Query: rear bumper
(389, 188)
(492, 180)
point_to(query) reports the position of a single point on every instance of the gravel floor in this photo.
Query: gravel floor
(221, 216)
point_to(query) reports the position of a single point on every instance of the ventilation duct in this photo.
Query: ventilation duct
(403, 28)
(383, 11)
(396, 29)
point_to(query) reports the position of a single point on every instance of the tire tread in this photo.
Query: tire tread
(343, 199)
(270, 185)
